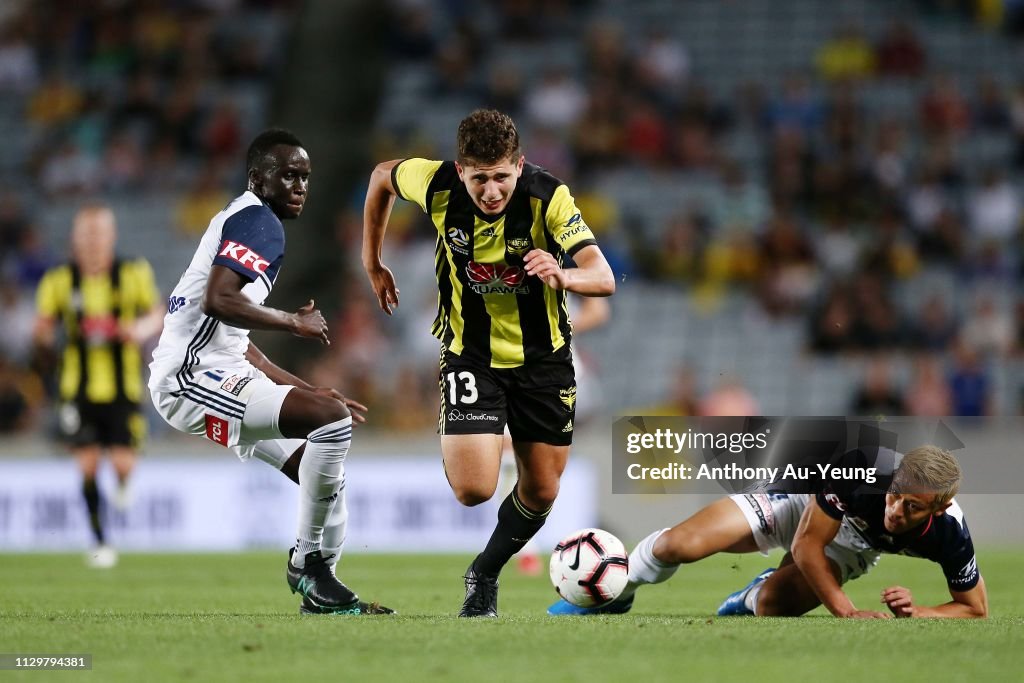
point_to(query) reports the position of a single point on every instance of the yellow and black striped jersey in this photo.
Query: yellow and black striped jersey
(92, 309)
(489, 309)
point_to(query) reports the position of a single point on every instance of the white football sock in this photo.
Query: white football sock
(644, 567)
(321, 474)
(335, 527)
(750, 599)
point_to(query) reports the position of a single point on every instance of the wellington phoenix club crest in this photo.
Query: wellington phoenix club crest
(568, 397)
(517, 245)
(494, 278)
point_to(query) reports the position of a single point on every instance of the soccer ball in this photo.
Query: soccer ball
(589, 568)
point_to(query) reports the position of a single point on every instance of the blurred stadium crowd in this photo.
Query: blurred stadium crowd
(113, 100)
(814, 210)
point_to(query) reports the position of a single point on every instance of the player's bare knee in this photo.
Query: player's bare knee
(330, 410)
(471, 496)
(539, 497)
(775, 603)
(677, 547)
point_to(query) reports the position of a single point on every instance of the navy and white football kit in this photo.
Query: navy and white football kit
(944, 539)
(862, 537)
(200, 380)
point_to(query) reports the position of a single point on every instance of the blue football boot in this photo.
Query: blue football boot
(563, 608)
(733, 605)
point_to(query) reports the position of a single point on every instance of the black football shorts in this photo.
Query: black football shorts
(83, 423)
(537, 400)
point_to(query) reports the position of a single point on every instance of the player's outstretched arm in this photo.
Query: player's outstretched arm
(816, 530)
(970, 604)
(279, 375)
(380, 198)
(592, 276)
(224, 300)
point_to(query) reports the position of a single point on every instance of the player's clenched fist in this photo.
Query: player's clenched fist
(310, 323)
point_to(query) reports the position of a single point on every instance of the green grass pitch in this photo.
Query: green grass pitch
(231, 618)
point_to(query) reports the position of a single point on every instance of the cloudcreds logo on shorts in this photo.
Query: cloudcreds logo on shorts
(456, 415)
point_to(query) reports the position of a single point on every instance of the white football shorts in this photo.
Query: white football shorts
(234, 407)
(773, 518)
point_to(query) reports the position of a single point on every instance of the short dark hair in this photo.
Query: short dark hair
(266, 141)
(487, 136)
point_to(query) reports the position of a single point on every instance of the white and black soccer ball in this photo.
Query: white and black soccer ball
(589, 567)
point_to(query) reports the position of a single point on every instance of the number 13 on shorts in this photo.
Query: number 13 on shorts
(461, 388)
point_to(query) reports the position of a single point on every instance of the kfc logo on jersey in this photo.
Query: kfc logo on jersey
(217, 429)
(244, 255)
(494, 278)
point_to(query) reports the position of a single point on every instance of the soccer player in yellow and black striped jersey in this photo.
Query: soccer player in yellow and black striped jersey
(106, 308)
(504, 230)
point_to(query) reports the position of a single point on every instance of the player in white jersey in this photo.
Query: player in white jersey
(208, 379)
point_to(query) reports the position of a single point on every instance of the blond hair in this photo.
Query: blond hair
(928, 469)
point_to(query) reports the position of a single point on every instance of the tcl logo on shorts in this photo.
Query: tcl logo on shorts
(243, 255)
(217, 429)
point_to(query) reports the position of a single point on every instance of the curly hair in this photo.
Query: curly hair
(486, 137)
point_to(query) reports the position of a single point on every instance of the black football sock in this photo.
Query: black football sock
(517, 524)
(92, 503)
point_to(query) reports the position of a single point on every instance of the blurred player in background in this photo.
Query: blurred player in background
(830, 538)
(504, 228)
(208, 379)
(104, 308)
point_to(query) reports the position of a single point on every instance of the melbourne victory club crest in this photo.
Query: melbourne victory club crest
(568, 397)
(495, 278)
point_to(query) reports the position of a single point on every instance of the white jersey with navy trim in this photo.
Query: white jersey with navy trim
(248, 238)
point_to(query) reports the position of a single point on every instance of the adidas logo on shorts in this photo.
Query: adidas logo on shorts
(567, 427)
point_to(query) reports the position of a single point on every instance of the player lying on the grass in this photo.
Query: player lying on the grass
(208, 379)
(831, 537)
